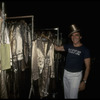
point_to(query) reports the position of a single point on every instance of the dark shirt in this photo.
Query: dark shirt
(75, 57)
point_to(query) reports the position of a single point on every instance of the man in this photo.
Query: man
(77, 55)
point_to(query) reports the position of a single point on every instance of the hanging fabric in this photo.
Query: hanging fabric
(5, 50)
(43, 63)
(20, 42)
(4, 55)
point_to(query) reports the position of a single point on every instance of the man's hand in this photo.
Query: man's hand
(82, 86)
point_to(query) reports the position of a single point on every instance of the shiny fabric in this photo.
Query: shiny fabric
(43, 64)
(39, 59)
(19, 46)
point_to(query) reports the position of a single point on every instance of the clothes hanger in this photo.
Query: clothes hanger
(43, 36)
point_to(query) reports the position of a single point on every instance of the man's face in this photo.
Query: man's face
(75, 37)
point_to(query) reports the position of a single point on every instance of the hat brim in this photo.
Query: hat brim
(73, 32)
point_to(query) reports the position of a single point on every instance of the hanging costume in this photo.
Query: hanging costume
(43, 64)
(5, 54)
(19, 34)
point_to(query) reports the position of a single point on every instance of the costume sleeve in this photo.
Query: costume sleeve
(52, 61)
(34, 65)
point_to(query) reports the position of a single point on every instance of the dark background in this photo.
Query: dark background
(85, 14)
(48, 14)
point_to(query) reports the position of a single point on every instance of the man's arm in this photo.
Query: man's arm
(59, 48)
(87, 70)
(86, 74)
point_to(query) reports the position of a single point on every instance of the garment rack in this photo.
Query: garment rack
(19, 17)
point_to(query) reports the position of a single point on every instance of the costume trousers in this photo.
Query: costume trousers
(71, 81)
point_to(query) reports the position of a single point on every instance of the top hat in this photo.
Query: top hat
(73, 29)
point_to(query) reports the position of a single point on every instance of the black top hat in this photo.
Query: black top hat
(73, 29)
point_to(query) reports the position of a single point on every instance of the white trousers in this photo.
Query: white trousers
(71, 81)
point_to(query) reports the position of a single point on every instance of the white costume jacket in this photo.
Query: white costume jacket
(42, 55)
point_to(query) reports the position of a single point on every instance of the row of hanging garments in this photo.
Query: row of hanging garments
(15, 56)
(4, 59)
(20, 41)
(22, 53)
